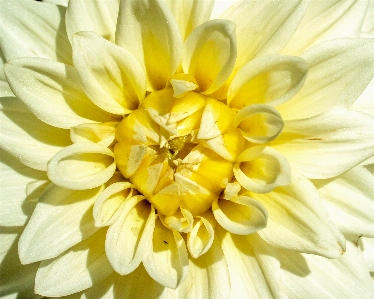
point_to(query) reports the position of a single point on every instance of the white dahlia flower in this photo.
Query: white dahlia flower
(154, 149)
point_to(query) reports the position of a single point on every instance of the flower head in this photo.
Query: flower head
(201, 157)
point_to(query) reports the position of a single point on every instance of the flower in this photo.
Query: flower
(203, 158)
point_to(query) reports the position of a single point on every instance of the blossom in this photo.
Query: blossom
(153, 151)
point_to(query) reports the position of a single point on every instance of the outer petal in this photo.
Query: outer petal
(365, 102)
(368, 26)
(33, 145)
(367, 247)
(148, 30)
(16, 280)
(111, 77)
(5, 90)
(256, 34)
(82, 166)
(17, 195)
(327, 20)
(61, 219)
(77, 269)
(94, 15)
(328, 144)
(37, 30)
(190, 13)
(210, 54)
(297, 220)
(254, 271)
(311, 276)
(52, 91)
(349, 201)
(339, 71)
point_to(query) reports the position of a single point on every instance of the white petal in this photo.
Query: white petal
(310, 276)
(36, 30)
(107, 207)
(368, 25)
(210, 274)
(16, 280)
(339, 71)
(367, 247)
(58, 2)
(61, 219)
(270, 80)
(95, 15)
(167, 257)
(297, 220)
(264, 27)
(5, 90)
(82, 166)
(16, 203)
(327, 20)
(149, 31)
(77, 269)
(101, 133)
(261, 169)
(52, 91)
(349, 201)
(128, 239)
(254, 269)
(210, 54)
(241, 215)
(365, 102)
(259, 123)
(328, 144)
(111, 76)
(220, 6)
(201, 237)
(27, 138)
(190, 13)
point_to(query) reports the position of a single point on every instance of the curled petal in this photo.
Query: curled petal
(101, 133)
(261, 169)
(111, 76)
(149, 31)
(82, 166)
(130, 236)
(181, 221)
(107, 205)
(270, 80)
(241, 215)
(210, 53)
(201, 237)
(259, 123)
(167, 258)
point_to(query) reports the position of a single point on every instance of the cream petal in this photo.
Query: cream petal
(61, 219)
(5, 90)
(256, 35)
(310, 276)
(270, 80)
(190, 14)
(241, 215)
(101, 133)
(339, 71)
(52, 91)
(365, 101)
(220, 6)
(167, 257)
(297, 220)
(261, 169)
(328, 144)
(16, 203)
(37, 30)
(349, 201)
(210, 274)
(368, 25)
(367, 248)
(128, 239)
(33, 145)
(259, 123)
(77, 269)
(108, 206)
(201, 237)
(16, 280)
(253, 267)
(210, 53)
(182, 221)
(82, 166)
(327, 20)
(111, 76)
(149, 31)
(99, 16)
(58, 2)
